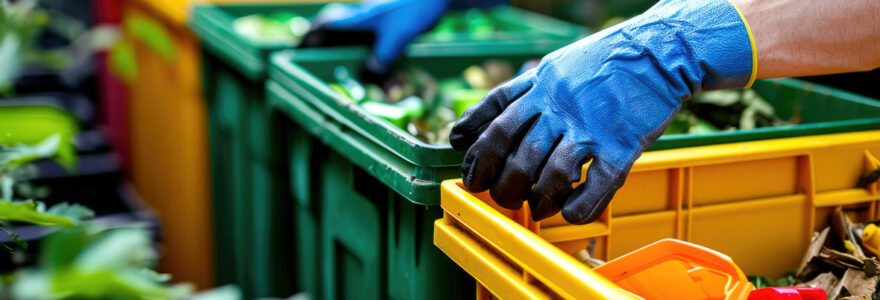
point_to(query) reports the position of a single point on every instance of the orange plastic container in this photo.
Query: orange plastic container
(757, 202)
(673, 269)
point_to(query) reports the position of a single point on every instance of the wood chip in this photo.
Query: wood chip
(841, 259)
(858, 284)
(825, 281)
(585, 258)
(813, 250)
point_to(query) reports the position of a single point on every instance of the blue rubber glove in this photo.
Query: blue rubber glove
(603, 99)
(395, 24)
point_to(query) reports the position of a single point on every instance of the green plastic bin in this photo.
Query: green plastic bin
(252, 225)
(364, 166)
(365, 213)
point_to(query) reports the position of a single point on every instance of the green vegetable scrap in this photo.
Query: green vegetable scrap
(760, 281)
(415, 101)
(281, 28)
(353, 88)
(724, 110)
(463, 99)
(476, 24)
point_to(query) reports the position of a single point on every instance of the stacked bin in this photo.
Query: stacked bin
(366, 194)
(253, 190)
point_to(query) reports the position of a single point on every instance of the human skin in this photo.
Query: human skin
(803, 38)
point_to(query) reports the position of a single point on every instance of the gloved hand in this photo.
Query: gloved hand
(395, 23)
(603, 99)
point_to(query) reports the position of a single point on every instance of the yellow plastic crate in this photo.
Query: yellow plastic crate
(758, 202)
(168, 136)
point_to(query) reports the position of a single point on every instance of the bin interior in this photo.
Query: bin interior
(820, 109)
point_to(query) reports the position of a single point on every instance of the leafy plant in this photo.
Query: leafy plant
(21, 24)
(91, 261)
(13, 160)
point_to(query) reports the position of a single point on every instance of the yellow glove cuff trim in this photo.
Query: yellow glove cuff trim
(754, 48)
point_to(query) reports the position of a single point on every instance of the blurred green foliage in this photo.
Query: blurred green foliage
(28, 134)
(97, 262)
(21, 24)
(595, 14)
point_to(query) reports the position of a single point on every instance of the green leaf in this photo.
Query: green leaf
(23, 154)
(153, 34)
(118, 248)
(90, 261)
(74, 212)
(62, 247)
(703, 127)
(27, 211)
(123, 61)
(30, 130)
(719, 97)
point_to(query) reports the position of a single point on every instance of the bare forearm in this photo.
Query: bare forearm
(801, 38)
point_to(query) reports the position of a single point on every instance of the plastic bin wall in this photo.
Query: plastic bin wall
(758, 202)
(355, 237)
(169, 141)
(251, 240)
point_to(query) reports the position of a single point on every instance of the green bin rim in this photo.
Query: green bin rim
(401, 176)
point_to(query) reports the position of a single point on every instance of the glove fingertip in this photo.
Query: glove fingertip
(575, 215)
(461, 140)
(589, 200)
(542, 208)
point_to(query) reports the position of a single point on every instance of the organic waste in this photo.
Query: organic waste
(841, 259)
(475, 23)
(280, 28)
(415, 101)
(724, 110)
(288, 28)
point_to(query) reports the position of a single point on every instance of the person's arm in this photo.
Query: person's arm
(803, 38)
